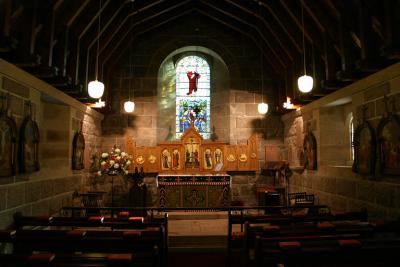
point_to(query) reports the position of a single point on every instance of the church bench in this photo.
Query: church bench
(146, 244)
(75, 260)
(327, 252)
(286, 216)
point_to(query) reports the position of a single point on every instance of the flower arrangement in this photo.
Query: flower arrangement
(115, 162)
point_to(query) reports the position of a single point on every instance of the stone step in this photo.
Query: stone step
(197, 215)
(197, 243)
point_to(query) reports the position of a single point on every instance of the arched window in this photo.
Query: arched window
(193, 95)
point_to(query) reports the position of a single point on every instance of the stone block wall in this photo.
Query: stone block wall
(333, 182)
(58, 117)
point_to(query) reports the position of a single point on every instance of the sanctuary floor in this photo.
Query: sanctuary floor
(197, 239)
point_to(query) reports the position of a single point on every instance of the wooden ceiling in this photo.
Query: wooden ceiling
(56, 40)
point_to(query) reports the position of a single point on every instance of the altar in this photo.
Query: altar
(193, 191)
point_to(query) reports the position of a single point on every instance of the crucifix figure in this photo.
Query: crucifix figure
(193, 77)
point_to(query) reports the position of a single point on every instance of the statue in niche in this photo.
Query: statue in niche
(78, 150)
(29, 144)
(389, 142)
(310, 151)
(8, 139)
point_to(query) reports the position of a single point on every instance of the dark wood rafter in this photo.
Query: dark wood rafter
(264, 24)
(311, 35)
(56, 40)
(391, 49)
(253, 28)
(369, 61)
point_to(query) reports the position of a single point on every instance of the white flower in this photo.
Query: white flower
(118, 158)
(99, 173)
(123, 154)
(117, 150)
(116, 166)
(112, 162)
(128, 163)
(104, 155)
(126, 172)
(103, 163)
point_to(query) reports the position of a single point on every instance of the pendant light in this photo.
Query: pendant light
(305, 82)
(262, 107)
(96, 88)
(129, 106)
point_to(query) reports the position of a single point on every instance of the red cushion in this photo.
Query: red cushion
(349, 243)
(42, 257)
(271, 228)
(300, 213)
(119, 257)
(96, 219)
(76, 233)
(123, 214)
(326, 225)
(290, 244)
(136, 219)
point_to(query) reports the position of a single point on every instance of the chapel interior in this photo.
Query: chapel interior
(199, 132)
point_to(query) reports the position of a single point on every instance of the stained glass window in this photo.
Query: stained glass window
(193, 95)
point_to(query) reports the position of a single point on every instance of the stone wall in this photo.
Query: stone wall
(333, 182)
(58, 117)
(148, 73)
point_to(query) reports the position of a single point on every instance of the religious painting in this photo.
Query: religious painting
(208, 164)
(192, 154)
(165, 160)
(8, 139)
(29, 146)
(364, 149)
(389, 145)
(218, 156)
(176, 165)
(310, 151)
(78, 150)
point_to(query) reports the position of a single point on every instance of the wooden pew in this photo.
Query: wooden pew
(327, 251)
(72, 260)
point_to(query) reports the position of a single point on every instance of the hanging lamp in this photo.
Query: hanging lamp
(305, 82)
(262, 107)
(129, 106)
(96, 87)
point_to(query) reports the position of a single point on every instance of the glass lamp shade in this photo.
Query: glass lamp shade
(129, 106)
(95, 89)
(262, 108)
(305, 83)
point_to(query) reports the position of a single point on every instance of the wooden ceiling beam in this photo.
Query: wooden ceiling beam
(251, 26)
(263, 22)
(286, 29)
(311, 35)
